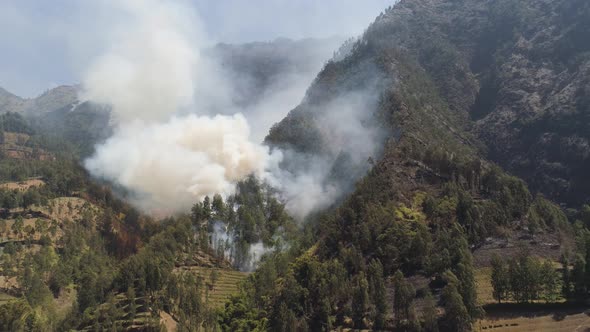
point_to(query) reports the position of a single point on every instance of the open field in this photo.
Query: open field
(483, 280)
(535, 317)
(538, 317)
(578, 322)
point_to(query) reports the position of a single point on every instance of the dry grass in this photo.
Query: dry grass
(65, 301)
(483, 281)
(5, 298)
(15, 138)
(548, 323)
(168, 321)
(22, 185)
(67, 208)
(510, 318)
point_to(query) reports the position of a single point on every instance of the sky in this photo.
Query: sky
(49, 43)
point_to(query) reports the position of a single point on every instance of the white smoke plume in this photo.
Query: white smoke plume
(179, 136)
(222, 240)
(166, 156)
(172, 164)
(349, 136)
(148, 72)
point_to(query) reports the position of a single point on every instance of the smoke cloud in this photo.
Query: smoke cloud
(349, 136)
(182, 118)
(148, 73)
(224, 245)
(170, 165)
(166, 155)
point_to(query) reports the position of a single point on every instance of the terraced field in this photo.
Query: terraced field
(227, 283)
(5, 298)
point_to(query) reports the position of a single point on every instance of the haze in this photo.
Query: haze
(34, 59)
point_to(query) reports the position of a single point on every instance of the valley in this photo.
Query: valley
(428, 175)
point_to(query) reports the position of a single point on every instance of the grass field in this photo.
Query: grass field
(541, 323)
(483, 280)
(538, 317)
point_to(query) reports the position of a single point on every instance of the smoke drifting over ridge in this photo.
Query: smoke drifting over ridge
(179, 134)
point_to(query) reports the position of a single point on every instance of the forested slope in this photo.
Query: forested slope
(434, 193)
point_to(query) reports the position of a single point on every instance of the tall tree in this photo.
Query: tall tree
(500, 279)
(378, 293)
(456, 316)
(579, 277)
(550, 282)
(360, 300)
(430, 314)
(403, 295)
(566, 289)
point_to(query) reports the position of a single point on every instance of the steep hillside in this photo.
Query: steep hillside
(452, 94)
(74, 256)
(518, 70)
(514, 73)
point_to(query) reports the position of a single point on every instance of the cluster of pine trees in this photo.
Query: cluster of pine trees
(524, 279)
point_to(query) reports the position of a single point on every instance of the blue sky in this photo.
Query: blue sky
(48, 43)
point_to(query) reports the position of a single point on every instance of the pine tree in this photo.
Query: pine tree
(403, 295)
(578, 277)
(456, 316)
(217, 206)
(430, 314)
(131, 300)
(500, 279)
(565, 277)
(378, 293)
(360, 300)
(207, 207)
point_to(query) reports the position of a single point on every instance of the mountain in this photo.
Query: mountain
(513, 74)
(10, 102)
(450, 139)
(257, 70)
(50, 100)
(482, 113)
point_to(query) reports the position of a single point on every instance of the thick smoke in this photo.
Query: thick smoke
(149, 71)
(182, 125)
(167, 157)
(171, 164)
